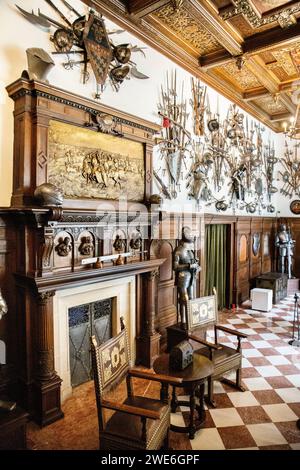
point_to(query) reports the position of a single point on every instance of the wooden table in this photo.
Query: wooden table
(193, 382)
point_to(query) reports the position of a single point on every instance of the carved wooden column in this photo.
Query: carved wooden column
(148, 344)
(46, 381)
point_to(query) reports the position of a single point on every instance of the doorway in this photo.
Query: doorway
(218, 262)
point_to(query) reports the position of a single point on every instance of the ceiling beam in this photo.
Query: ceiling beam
(287, 102)
(257, 43)
(255, 93)
(271, 37)
(223, 32)
(141, 8)
(214, 59)
(257, 66)
(280, 117)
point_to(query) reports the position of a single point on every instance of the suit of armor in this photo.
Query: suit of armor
(285, 245)
(186, 267)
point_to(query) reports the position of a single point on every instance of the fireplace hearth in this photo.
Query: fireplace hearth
(85, 320)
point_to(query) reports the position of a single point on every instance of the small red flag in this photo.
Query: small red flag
(166, 122)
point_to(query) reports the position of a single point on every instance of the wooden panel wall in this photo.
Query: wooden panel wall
(242, 256)
(268, 247)
(254, 252)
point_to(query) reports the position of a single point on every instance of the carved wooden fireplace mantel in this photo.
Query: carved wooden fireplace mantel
(45, 246)
(33, 284)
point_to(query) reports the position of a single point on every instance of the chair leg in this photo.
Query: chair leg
(239, 380)
(166, 441)
(210, 393)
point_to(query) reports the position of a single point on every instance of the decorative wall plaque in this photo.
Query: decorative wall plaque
(88, 164)
(255, 244)
(295, 206)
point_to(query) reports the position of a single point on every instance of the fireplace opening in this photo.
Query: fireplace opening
(94, 318)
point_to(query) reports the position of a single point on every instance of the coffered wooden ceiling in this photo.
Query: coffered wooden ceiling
(241, 48)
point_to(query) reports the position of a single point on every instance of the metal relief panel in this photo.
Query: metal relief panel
(89, 164)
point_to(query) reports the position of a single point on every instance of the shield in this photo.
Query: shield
(98, 48)
(255, 244)
(259, 186)
(173, 163)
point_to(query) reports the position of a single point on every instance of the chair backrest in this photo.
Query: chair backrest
(111, 362)
(202, 312)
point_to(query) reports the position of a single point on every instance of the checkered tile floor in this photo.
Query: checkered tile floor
(265, 415)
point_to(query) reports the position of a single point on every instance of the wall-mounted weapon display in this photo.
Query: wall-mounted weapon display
(197, 179)
(230, 166)
(269, 162)
(216, 147)
(198, 103)
(84, 40)
(291, 169)
(175, 139)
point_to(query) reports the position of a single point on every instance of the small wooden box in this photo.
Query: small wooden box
(181, 356)
(275, 281)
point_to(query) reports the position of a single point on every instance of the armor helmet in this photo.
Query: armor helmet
(187, 235)
(122, 53)
(47, 194)
(119, 73)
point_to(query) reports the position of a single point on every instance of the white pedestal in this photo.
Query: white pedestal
(261, 299)
(292, 286)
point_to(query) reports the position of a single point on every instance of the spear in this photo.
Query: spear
(54, 7)
(71, 8)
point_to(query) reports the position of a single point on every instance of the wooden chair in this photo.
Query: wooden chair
(202, 314)
(138, 422)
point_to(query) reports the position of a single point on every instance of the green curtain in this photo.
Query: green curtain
(216, 261)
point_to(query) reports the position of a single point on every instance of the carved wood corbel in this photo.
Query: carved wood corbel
(47, 249)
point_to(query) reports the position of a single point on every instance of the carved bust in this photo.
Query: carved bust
(119, 243)
(136, 240)
(64, 247)
(87, 246)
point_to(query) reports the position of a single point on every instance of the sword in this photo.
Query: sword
(162, 185)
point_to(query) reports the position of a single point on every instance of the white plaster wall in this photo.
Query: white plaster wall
(138, 97)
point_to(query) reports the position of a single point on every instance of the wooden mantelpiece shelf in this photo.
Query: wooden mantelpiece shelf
(90, 275)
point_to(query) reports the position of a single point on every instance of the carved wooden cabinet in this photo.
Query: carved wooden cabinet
(13, 429)
(277, 282)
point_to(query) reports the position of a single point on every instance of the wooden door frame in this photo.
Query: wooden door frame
(212, 219)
